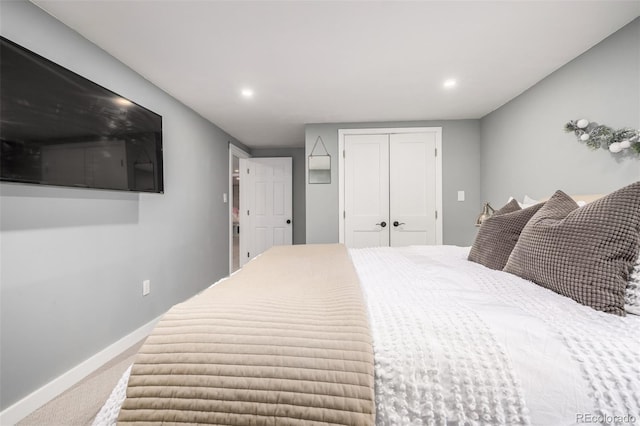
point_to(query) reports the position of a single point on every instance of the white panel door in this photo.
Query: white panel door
(265, 205)
(64, 165)
(366, 190)
(390, 193)
(106, 166)
(412, 189)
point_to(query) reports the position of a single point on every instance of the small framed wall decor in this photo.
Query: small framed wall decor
(319, 164)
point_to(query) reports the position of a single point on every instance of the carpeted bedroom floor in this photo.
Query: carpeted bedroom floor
(80, 404)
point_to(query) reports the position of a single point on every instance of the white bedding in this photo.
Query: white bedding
(458, 343)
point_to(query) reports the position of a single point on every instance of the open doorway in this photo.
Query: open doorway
(235, 214)
(235, 154)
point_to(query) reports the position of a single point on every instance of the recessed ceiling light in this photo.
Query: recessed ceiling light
(247, 93)
(450, 83)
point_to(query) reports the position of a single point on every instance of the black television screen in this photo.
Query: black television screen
(58, 128)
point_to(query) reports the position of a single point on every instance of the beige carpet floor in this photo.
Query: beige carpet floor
(80, 404)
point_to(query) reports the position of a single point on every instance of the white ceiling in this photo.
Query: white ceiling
(341, 61)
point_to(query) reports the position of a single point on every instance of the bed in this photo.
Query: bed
(452, 340)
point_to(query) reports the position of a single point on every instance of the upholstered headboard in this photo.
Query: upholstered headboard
(587, 198)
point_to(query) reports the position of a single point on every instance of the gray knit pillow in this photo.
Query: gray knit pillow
(585, 254)
(499, 233)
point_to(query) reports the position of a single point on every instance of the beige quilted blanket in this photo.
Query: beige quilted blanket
(284, 341)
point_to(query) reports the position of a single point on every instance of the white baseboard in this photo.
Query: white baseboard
(21, 409)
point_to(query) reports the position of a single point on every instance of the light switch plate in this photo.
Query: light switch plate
(460, 195)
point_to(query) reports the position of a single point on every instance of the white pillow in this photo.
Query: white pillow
(632, 295)
(526, 202)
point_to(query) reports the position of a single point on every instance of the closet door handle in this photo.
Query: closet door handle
(383, 224)
(396, 223)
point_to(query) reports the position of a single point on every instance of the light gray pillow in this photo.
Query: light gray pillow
(632, 294)
(585, 254)
(499, 233)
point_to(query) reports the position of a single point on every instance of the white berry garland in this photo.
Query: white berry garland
(596, 136)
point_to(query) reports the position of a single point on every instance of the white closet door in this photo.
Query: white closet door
(366, 183)
(265, 205)
(412, 189)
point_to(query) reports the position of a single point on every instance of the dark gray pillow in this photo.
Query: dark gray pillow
(499, 233)
(582, 253)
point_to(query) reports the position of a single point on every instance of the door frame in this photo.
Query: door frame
(234, 151)
(391, 130)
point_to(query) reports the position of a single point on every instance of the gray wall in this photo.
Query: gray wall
(460, 171)
(299, 208)
(524, 147)
(73, 260)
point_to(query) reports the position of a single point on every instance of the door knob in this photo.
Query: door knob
(396, 223)
(383, 224)
(288, 221)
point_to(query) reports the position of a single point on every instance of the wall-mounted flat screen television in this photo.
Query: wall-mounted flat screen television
(58, 128)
